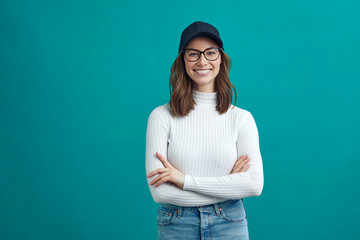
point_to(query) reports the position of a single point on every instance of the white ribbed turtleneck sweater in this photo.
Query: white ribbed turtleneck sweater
(204, 146)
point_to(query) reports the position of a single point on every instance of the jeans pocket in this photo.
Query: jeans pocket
(165, 216)
(234, 212)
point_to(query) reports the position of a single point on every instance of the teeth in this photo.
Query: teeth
(202, 71)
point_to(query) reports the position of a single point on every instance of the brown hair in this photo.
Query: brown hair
(182, 101)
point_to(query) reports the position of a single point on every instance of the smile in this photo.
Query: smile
(202, 71)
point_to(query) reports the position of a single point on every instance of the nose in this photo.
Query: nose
(202, 60)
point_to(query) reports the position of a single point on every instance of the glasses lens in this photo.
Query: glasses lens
(192, 55)
(212, 54)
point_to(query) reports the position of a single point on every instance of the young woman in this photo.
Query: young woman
(202, 152)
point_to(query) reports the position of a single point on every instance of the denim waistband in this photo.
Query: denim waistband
(205, 208)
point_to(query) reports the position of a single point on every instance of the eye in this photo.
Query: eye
(211, 52)
(193, 54)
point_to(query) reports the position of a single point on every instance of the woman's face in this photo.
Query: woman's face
(203, 71)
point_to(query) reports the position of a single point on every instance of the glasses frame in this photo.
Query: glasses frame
(202, 52)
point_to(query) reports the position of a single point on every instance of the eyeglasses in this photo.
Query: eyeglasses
(192, 55)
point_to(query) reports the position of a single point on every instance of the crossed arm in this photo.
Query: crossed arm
(169, 185)
(171, 174)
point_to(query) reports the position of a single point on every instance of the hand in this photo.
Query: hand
(241, 164)
(167, 174)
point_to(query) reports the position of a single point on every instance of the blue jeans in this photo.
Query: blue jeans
(224, 220)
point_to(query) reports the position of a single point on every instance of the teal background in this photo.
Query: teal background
(78, 80)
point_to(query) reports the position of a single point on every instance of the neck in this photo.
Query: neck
(205, 97)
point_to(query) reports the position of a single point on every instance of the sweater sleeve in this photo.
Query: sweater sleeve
(157, 141)
(238, 185)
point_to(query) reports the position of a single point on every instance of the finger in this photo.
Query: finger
(240, 161)
(159, 177)
(243, 157)
(154, 172)
(157, 171)
(163, 160)
(244, 169)
(165, 179)
(241, 165)
(244, 163)
(246, 157)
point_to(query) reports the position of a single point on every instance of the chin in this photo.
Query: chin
(203, 82)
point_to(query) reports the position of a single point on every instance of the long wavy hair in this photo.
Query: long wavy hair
(182, 101)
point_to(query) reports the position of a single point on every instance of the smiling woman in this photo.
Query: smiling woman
(202, 152)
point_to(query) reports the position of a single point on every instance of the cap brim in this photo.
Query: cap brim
(203, 34)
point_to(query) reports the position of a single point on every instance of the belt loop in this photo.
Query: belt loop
(216, 209)
(179, 211)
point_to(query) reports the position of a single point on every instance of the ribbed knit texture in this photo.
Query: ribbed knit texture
(204, 146)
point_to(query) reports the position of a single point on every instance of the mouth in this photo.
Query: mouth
(202, 71)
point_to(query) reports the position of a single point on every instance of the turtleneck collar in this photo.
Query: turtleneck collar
(205, 98)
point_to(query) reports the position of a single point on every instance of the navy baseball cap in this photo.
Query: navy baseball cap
(199, 29)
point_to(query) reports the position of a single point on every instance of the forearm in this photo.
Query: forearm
(170, 193)
(233, 186)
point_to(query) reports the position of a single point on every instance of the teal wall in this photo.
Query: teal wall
(78, 80)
